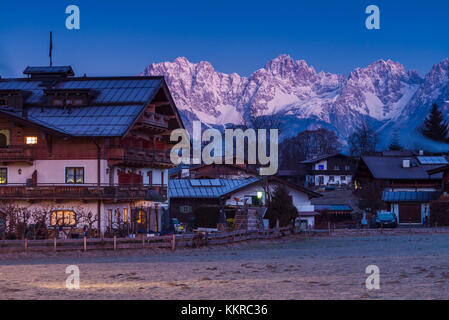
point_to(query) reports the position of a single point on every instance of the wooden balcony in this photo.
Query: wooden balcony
(139, 157)
(152, 121)
(17, 154)
(58, 192)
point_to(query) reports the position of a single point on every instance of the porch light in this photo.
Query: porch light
(259, 194)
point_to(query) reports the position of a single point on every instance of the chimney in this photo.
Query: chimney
(406, 163)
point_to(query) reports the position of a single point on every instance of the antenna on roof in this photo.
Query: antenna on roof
(51, 49)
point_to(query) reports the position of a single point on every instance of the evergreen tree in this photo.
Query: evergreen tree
(395, 141)
(281, 208)
(435, 127)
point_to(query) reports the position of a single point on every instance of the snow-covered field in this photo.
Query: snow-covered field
(411, 267)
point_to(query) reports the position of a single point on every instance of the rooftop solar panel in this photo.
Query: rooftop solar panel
(433, 160)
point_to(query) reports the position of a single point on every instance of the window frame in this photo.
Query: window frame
(5, 169)
(29, 143)
(75, 175)
(125, 215)
(66, 220)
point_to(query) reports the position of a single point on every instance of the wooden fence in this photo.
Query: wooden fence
(170, 242)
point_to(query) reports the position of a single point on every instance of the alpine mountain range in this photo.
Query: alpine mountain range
(383, 94)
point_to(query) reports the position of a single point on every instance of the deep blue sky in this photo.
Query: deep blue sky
(122, 37)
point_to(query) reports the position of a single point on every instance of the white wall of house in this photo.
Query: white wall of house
(77, 206)
(338, 179)
(318, 165)
(300, 199)
(310, 221)
(91, 206)
(53, 171)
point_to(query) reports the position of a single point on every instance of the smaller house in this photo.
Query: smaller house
(213, 171)
(187, 195)
(330, 170)
(407, 187)
(439, 208)
(339, 215)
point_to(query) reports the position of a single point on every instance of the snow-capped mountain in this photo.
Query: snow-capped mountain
(384, 93)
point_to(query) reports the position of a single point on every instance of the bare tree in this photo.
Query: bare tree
(363, 141)
(89, 219)
(17, 219)
(307, 144)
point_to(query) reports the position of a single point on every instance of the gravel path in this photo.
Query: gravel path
(411, 267)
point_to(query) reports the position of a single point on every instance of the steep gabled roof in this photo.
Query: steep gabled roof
(115, 105)
(438, 170)
(324, 157)
(216, 188)
(206, 188)
(386, 168)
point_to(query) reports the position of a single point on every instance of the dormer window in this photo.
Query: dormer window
(68, 97)
(31, 140)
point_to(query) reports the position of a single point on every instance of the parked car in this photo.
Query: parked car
(386, 220)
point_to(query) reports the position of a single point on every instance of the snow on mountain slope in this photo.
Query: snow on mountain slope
(382, 93)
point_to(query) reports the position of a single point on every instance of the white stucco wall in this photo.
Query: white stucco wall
(337, 179)
(300, 199)
(53, 171)
(321, 163)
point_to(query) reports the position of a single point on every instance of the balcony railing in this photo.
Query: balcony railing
(16, 153)
(79, 192)
(132, 154)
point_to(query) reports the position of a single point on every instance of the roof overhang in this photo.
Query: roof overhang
(32, 124)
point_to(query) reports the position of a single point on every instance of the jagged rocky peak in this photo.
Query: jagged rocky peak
(383, 91)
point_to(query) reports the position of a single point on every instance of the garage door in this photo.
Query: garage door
(410, 213)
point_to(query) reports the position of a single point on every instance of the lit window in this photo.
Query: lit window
(320, 167)
(141, 217)
(63, 218)
(125, 215)
(31, 140)
(74, 175)
(3, 175)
